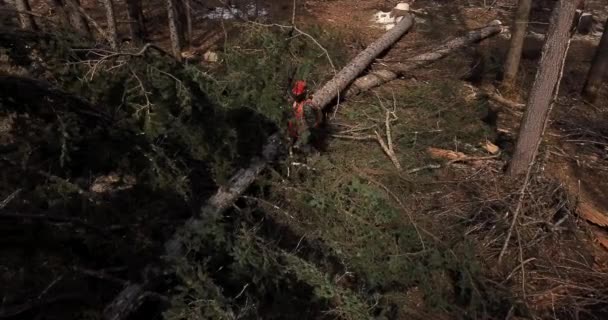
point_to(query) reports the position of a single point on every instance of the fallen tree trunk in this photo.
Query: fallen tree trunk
(128, 300)
(391, 72)
(332, 89)
(226, 196)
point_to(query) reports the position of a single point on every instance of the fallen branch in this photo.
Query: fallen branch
(502, 100)
(391, 72)
(430, 166)
(455, 156)
(387, 147)
(9, 198)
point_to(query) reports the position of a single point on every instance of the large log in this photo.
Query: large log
(391, 72)
(332, 89)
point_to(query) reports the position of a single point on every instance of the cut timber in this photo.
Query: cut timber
(393, 71)
(332, 89)
(455, 156)
(588, 211)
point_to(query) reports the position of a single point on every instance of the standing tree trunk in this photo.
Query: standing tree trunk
(182, 21)
(545, 87)
(518, 35)
(188, 4)
(137, 22)
(111, 33)
(176, 44)
(60, 9)
(599, 68)
(77, 20)
(25, 19)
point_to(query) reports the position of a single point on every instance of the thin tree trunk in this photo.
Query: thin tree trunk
(111, 32)
(335, 86)
(77, 20)
(26, 20)
(64, 17)
(188, 4)
(137, 23)
(518, 35)
(182, 20)
(599, 68)
(545, 87)
(176, 44)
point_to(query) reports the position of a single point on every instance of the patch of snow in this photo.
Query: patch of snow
(223, 13)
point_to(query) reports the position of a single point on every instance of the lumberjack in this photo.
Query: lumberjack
(305, 118)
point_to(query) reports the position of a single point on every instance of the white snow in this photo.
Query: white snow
(228, 14)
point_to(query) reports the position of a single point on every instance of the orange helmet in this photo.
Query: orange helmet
(299, 88)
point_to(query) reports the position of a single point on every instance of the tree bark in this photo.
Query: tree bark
(188, 5)
(64, 17)
(176, 44)
(82, 13)
(111, 33)
(518, 35)
(137, 23)
(77, 19)
(545, 87)
(336, 85)
(598, 70)
(393, 71)
(26, 20)
(182, 20)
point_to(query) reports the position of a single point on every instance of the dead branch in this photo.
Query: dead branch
(520, 201)
(54, 220)
(10, 198)
(505, 102)
(387, 146)
(430, 166)
(455, 156)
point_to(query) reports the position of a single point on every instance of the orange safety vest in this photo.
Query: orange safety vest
(299, 118)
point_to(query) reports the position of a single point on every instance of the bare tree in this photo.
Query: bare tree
(136, 21)
(77, 20)
(181, 11)
(518, 35)
(545, 87)
(599, 68)
(188, 4)
(25, 19)
(111, 33)
(176, 44)
(62, 12)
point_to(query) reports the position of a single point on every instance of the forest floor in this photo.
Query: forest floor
(436, 239)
